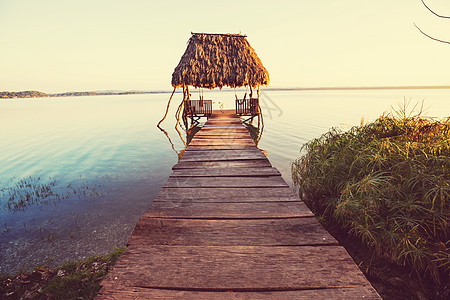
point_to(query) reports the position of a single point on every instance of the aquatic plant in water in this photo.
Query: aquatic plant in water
(26, 192)
(23, 193)
(388, 182)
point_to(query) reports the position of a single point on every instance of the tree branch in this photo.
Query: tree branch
(440, 16)
(435, 39)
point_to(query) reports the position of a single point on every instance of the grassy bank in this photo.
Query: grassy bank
(73, 280)
(388, 183)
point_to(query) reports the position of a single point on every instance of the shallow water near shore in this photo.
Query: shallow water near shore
(76, 173)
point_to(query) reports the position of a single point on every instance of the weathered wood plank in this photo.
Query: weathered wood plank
(253, 150)
(218, 122)
(218, 147)
(236, 267)
(230, 136)
(223, 123)
(227, 210)
(226, 172)
(241, 142)
(222, 155)
(133, 293)
(224, 137)
(222, 127)
(216, 130)
(223, 118)
(213, 182)
(268, 232)
(217, 194)
(222, 130)
(251, 163)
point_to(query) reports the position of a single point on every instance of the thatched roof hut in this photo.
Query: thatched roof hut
(217, 60)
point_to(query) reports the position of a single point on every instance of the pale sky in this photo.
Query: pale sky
(84, 45)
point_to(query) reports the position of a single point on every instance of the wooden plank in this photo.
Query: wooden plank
(224, 122)
(226, 172)
(220, 131)
(281, 232)
(241, 142)
(216, 129)
(250, 150)
(251, 163)
(217, 194)
(213, 182)
(227, 210)
(218, 147)
(235, 267)
(232, 136)
(224, 118)
(224, 129)
(224, 138)
(247, 150)
(222, 155)
(132, 293)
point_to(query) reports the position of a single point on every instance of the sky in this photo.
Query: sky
(89, 45)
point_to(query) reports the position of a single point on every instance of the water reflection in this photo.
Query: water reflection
(255, 132)
(191, 132)
(190, 128)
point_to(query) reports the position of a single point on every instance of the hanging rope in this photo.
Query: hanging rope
(167, 109)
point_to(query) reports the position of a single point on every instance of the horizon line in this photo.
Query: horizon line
(318, 88)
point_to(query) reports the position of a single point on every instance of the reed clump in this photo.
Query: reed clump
(388, 183)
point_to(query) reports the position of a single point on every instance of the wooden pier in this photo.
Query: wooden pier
(227, 226)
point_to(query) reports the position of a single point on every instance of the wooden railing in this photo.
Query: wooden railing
(247, 107)
(198, 107)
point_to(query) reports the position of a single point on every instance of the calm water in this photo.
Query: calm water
(76, 173)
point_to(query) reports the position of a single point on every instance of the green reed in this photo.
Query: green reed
(388, 182)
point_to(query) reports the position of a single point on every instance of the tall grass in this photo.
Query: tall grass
(388, 182)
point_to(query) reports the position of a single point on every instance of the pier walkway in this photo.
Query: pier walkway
(227, 226)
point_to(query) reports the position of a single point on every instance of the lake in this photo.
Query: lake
(76, 173)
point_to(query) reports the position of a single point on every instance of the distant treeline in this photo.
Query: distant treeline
(36, 94)
(25, 94)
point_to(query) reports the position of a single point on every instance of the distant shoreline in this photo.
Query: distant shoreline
(37, 94)
(356, 88)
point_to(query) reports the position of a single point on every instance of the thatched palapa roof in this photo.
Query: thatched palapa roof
(217, 60)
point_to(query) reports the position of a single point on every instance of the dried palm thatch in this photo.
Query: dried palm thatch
(217, 60)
